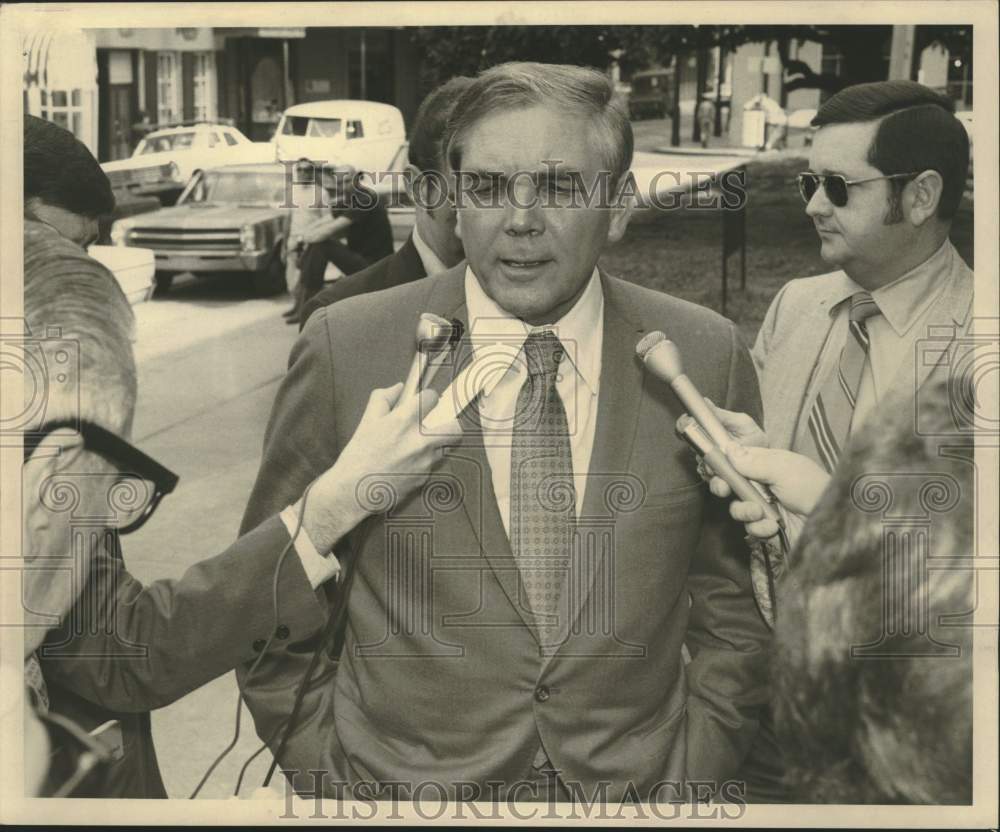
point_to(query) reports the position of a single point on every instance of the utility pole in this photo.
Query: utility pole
(675, 118)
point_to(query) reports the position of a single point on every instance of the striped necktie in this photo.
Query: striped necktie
(542, 496)
(830, 418)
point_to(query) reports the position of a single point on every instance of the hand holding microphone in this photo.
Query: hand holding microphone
(436, 340)
(702, 429)
(389, 440)
(796, 481)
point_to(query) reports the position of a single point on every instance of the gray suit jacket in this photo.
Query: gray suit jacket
(441, 676)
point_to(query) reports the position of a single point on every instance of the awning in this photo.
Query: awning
(60, 59)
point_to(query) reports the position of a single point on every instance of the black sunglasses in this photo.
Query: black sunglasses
(835, 185)
(130, 461)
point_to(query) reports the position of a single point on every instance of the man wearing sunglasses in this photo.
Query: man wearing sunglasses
(101, 649)
(886, 175)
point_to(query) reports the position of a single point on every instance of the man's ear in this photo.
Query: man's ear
(57, 453)
(411, 181)
(620, 216)
(922, 197)
(622, 205)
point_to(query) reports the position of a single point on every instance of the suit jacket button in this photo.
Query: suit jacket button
(542, 693)
(258, 645)
(282, 632)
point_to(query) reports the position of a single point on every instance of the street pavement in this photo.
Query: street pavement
(210, 360)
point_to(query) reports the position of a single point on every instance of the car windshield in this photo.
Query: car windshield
(162, 144)
(323, 128)
(243, 187)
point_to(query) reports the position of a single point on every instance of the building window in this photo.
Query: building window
(168, 87)
(64, 108)
(204, 86)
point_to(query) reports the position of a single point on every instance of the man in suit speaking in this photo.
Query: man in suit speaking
(515, 630)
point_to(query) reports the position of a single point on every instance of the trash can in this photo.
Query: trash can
(754, 125)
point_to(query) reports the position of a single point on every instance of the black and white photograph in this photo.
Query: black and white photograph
(500, 413)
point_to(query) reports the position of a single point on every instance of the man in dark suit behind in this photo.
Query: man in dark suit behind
(433, 246)
(515, 630)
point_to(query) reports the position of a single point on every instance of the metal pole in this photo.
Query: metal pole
(364, 60)
(720, 77)
(724, 276)
(289, 91)
(743, 243)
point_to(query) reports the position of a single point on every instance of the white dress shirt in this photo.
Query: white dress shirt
(318, 568)
(498, 340)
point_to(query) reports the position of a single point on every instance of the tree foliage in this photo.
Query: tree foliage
(465, 50)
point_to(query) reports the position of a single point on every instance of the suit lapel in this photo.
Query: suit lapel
(405, 265)
(790, 376)
(619, 402)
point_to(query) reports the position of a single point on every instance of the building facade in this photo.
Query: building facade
(103, 84)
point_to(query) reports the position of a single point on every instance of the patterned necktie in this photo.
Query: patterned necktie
(35, 682)
(831, 414)
(542, 496)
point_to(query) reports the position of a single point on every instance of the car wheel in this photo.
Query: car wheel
(163, 283)
(271, 281)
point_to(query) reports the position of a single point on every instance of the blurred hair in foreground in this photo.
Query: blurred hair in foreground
(873, 653)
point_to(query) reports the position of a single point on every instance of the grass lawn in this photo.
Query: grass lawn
(679, 251)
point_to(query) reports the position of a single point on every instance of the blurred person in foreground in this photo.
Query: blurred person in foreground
(101, 649)
(64, 186)
(432, 245)
(872, 670)
(886, 175)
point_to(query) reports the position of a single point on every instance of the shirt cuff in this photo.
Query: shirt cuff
(318, 568)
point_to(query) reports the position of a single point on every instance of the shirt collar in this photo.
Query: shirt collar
(432, 263)
(576, 329)
(902, 301)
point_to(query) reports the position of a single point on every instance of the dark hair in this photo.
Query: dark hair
(564, 87)
(918, 132)
(429, 135)
(61, 171)
(872, 683)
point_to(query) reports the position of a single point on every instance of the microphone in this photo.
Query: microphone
(702, 429)
(435, 337)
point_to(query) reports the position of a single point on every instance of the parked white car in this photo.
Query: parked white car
(194, 147)
(133, 268)
(368, 135)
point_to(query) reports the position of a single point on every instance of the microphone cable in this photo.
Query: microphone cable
(264, 649)
(338, 616)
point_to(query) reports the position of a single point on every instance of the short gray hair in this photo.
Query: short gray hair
(573, 89)
(70, 297)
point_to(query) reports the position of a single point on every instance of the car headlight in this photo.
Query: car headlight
(119, 232)
(248, 237)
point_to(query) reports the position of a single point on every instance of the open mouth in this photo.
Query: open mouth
(523, 264)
